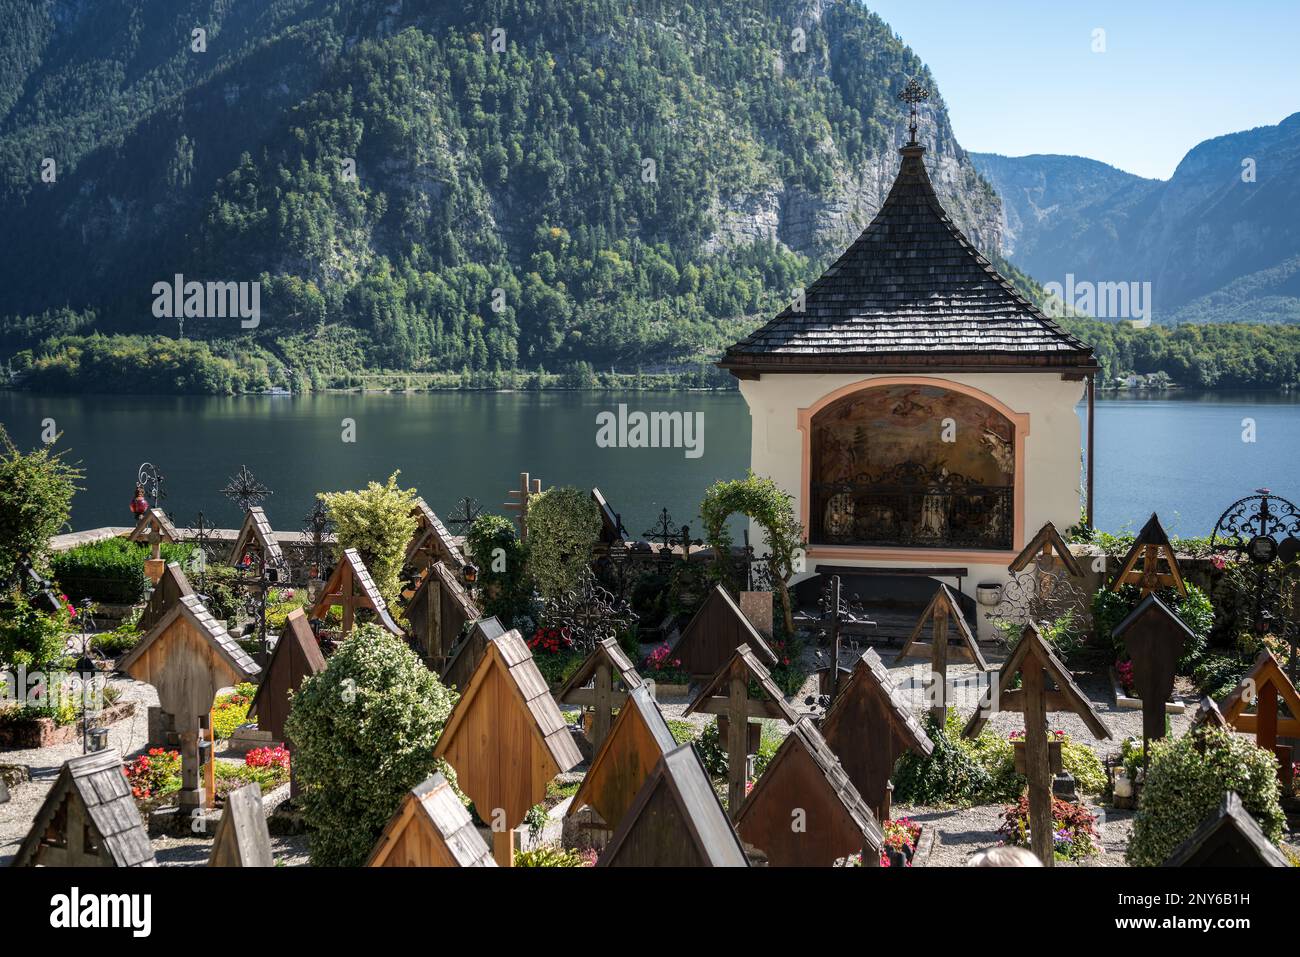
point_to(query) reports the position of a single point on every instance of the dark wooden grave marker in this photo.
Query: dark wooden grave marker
(242, 837)
(1229, 837)
(715, 632)
(943, 608)
(1154, 637)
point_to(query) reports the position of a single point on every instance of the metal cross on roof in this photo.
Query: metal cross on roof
(245, 490)
(467, 509)
(912, 94)
(667, 535)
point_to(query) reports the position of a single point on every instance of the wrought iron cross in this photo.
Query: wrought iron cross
(149, 478)
(468, 509)
(202, 537)
(667, 535)
(912, 94)
(317, 526)
(590, 612)
(835, 612)
(245, 490)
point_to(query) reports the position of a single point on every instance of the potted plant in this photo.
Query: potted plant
(665, 670)
(1054, 760)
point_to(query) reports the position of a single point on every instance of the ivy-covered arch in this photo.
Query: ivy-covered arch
(763, 501)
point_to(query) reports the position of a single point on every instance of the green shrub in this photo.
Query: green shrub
(1217, 675)
(683, 731)
(364, 730)
(378, 523)
(1186, 781)
(996, 754)
(549, 855)
(110, 570)
(949, 775)
(502, 561)
(563, 524)
(36, 492)
(30, 637)
(1195, 610)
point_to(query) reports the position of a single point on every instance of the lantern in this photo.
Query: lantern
(470, 573)
(139, 504)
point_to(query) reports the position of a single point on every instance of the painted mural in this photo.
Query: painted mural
(913, 465)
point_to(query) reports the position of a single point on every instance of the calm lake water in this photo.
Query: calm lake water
(1183, 457)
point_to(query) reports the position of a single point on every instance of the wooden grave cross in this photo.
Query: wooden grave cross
(351, 587)
(242, 839)
(943, 608)
(1266, 686)
(1151, 562)
(1039, 668)
(606, 665)
(1154, 638)
(528, 489)
(726, 695)
(431, 828)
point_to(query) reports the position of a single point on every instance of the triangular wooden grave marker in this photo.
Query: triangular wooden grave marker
(611, 675)
(166, 593)
(431, 542)
(507, 739)
(351, 587)
(715, 632)
(726, 694)
(676, 820)
(257, 541)
(1208, 714)
(296, 657)
(1047, 544)
(188, 656)
(438, 612)
(943, 608)
(804, 784)
(635, 744)
(1151, 563)
(242, 837)
(154, 526)
(1229, 837)
(1039, 668)
(611, 523)
(1154, 638)
(869, 726)
(88, 819)
(431, 829)
(1266, 686)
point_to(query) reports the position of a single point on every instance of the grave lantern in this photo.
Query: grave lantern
(139, 504)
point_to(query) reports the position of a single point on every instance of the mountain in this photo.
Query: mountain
(1216, 244)
(437, 186)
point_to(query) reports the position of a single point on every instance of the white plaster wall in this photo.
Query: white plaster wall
(1052, 448)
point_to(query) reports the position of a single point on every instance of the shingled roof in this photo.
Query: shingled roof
(192, 608)
(910, 293)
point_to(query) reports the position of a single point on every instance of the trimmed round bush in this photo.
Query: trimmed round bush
(363, 733)
(563, 525)
(1187, 780)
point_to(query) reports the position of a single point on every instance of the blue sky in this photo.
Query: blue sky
(1019, 76)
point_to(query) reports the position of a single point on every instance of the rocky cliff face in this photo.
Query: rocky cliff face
(1218, 241)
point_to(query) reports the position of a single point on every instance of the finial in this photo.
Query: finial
(913, 94)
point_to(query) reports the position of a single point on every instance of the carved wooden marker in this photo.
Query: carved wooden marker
(351, 587)
(726, 694)
(943, 608)
(431, 829)
(1266, 685)
(1151, 562)
(1039, 669)
(242, 837)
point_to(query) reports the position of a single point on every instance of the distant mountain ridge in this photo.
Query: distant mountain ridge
(1216, 247)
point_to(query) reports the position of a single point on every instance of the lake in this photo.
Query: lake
(1183, 457)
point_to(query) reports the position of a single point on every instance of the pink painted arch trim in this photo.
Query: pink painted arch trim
(1019, 421)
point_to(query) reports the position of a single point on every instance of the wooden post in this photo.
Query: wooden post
(939, 666)
(600, 721)
(737, 743)
(1037, 768)
(503, 847)
(528, 487)
(190, 796)
(1266, 716)
(210, 778)
(835, 636)
(1092, 444)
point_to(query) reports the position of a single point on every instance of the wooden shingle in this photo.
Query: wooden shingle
(431, 829)
(88, 819)
(676, 820)
(153, 521)
(911, 293)
(351, 587)
(257, 538)
(468, 652)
